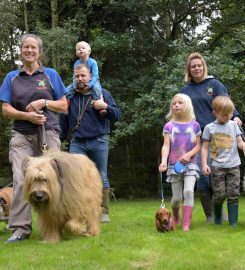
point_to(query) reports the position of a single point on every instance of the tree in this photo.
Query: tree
(141, 48)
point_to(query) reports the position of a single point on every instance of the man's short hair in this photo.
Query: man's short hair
(80, 66)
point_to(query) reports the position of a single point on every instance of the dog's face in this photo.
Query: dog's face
(38, 193)
(163, 215)
(164, 221)
(40, 182)
(6, 197)
(39, 196)
(2, 207)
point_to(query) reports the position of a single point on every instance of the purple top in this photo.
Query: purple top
(182, 139)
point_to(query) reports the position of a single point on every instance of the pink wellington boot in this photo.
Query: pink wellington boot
(186, 217)
(176, 215)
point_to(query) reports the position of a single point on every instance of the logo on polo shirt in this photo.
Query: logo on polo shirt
(42, 84)
(210, 91)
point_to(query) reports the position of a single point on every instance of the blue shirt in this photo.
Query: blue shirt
(19, 89)
(202, 95)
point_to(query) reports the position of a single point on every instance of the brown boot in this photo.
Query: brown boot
(103, 113)
(105, 206)
(207, 205)
(176, 215)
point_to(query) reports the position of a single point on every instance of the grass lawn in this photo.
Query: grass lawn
(131, 241)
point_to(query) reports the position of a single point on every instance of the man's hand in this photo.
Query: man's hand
(238, 121)
(100, 104)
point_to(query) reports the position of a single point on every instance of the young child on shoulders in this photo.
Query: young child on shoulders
(223, 136)
(181, 144)
(83, 51)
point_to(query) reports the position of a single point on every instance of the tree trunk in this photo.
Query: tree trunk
(26, 17)
(128, 165)
(143, 172)
(167, 25)
(54, 17)
(54, 13)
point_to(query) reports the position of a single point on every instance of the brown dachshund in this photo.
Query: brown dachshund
(164, 220)
(6, 199)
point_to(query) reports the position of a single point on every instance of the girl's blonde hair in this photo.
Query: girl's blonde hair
(191, 57)
(223, 104)
(188, 115)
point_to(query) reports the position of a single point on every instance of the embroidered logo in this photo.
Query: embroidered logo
(42, 84)
(210, 91)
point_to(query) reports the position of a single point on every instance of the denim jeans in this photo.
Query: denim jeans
(97, 150)
(204, 182)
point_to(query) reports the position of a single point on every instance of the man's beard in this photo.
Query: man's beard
(81, 87)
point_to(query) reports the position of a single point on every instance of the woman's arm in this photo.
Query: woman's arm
(53, 105)
(32, 116)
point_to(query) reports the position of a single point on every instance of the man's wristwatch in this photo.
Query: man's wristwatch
(46, 103)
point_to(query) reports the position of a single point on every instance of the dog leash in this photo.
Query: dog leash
(42, 135)
(44, 146)
(8, 185)
(162, 204)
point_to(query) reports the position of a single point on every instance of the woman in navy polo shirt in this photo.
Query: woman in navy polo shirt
(31, 96)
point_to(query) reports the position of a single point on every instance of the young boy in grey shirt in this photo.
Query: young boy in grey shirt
(223, 136)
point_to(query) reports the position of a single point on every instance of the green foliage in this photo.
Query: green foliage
(59, 45)
(8, 21)
(141, 48)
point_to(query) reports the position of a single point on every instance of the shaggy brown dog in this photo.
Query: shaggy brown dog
(6, 199)
(66, 192)
(164, 221)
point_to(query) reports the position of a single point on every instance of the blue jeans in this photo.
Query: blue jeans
(97, 150)
(204, 182)
(96, 91)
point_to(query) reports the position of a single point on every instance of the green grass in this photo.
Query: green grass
(131, 241)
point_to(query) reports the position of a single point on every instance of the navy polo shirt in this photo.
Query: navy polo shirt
(19, 89)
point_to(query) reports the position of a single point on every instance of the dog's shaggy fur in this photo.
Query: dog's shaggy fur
(6, 199)
(66, 192)
(164, 221)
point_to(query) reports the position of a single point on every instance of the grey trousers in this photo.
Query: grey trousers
(21, 146)
(183, 187)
